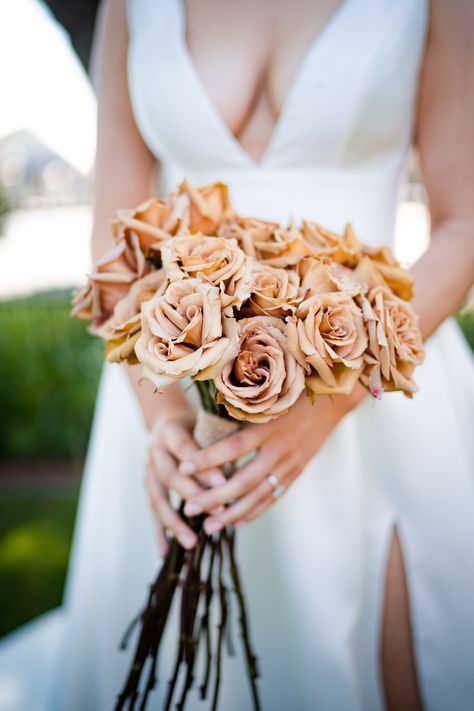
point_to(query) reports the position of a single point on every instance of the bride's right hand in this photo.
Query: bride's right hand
(171, 442)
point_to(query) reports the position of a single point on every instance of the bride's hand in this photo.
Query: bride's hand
(170, 442)
(284, 445)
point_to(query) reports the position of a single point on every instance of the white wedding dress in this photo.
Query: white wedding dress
(314, 564)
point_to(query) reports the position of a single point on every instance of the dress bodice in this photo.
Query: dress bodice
(338, 147)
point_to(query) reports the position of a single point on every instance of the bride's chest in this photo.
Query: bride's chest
(247, 55)
(343, 96)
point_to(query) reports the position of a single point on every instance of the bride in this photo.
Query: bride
(360, 577)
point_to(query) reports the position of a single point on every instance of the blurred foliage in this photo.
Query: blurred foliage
(36, 527)
(50, 367)
(5, 209)
(466, 320)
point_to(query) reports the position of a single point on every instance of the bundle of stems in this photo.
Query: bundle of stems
(200, 575)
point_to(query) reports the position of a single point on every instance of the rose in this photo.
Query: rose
(286, 247)
(187, 209)
(184, 334)
(345, 248)
(264, 379)
(122, 329)
(328, 337)
(215, 259)
(249, 232)
(395, 345)
(274, 292)
(267, 241)
(152, 221)
(322, 276)
(209, 206)
(379, 267)
(110, 281)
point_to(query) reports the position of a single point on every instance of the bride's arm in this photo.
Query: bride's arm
(124, 176)
(445, 140)
(443, 275)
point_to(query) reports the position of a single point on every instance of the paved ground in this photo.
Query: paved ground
(44, 248)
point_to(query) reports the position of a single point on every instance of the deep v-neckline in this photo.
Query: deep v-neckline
(278, 127)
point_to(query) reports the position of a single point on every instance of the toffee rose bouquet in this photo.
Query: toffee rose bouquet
(257, 315)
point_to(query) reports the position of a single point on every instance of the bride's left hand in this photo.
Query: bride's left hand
(285, 445)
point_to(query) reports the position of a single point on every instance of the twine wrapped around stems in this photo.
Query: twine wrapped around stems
(201, 574)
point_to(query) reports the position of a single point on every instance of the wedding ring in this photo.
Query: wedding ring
(278, 489)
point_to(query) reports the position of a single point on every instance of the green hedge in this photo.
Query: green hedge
(49, 371)
(466, 321)
(36, 524)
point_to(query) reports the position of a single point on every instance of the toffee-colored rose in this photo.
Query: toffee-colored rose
(379, 267)
(188, 209)
(249, 232)
(184, 334)
(395, 345)
(285, 248)
(344, 248)
(322, 276)
(264, 379)
(274, 291)
(209, 206)
(328, 337)
(215, 259)
(122, 330)
(110, 281)
(153, 221)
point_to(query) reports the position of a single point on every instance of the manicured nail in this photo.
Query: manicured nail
(192, 508)
(212, 525)
(217, 479)
(163, 548)
(187, 468)
(187, 540)
(239, 524)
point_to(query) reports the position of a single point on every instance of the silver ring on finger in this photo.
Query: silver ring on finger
(277, 488)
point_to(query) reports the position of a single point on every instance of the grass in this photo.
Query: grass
(36, 525)
(50, 368)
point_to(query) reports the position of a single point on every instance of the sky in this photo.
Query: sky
(43, 88)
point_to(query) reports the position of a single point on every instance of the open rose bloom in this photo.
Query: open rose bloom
(260, 312)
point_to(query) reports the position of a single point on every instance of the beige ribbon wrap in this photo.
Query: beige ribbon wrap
(210, 428)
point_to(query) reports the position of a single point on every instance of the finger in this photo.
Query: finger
(243, 481)
(266, 502)
(165, 515)
(154, 491)
(179, 440)
(261, 507)
(226, 450)
(181, 444)
(165, 470)
(163, 544)
(244, 506)
(210, 478)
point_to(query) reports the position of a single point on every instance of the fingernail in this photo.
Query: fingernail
(187, 540)
(239, 524)
(217, 479)
(212, 525)
(187, 468)
(192, 508)
(163, 550)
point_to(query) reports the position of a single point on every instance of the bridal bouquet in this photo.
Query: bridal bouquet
(254, 313)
